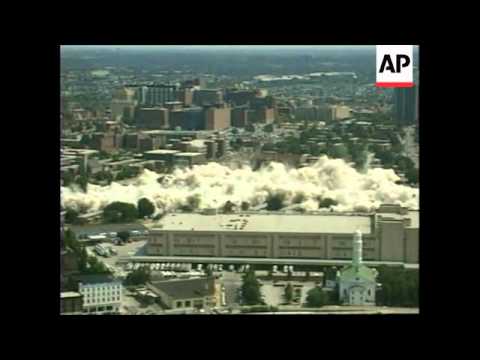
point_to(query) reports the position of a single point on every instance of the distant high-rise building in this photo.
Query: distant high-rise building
(152, 118)
(187, 118)
(200, 82)
(185, 95)
(217, 118)
(141, 95)
(240, 97)
(160, 94)
(405, 105)
(207, 97)
(239, 116)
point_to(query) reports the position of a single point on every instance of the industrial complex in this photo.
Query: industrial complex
(390, 235)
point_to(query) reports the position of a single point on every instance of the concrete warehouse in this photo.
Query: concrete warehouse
(391, 234)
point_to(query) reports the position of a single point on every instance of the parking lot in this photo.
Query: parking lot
(95, 229)
(127, 249)
(274, 294)
(228, 276)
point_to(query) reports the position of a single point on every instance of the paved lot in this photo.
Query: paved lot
(94, 229)
(232, 282)
(123, 250)
(273, 295)
(130, 306)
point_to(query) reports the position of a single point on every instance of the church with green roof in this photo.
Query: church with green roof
(357, 282)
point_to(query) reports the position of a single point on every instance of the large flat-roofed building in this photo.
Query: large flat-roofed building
(186, 294)
(386, 237)
(190, 158)
(152, 118)
(161, 154)
(207, 97)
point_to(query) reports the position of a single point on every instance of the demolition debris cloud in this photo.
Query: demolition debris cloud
(213, 184)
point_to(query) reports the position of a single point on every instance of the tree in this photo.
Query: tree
(95, 266)
(193, 202)
(68, 178)
(299, 198)
(316, 297)
(86, 140)
(399, 286)
(386, 157)
(289, 293)
(327, 202)
(123, 235)
(245, 206)
(412, 176)
(104, 175)
(268, 147)
(118, 212)
(71, 216)
(338, 152)
(145, 207)
(268, 128)
(138, 277)
(228, 207)
(250, 128)
(126, 172)
(251, 289)
(82, 179)
(275, 201)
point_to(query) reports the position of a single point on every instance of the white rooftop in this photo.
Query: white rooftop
(274, 223)
(189, 154)
(69, 294)
(162, 152)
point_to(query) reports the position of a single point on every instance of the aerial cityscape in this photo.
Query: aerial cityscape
(233, 180)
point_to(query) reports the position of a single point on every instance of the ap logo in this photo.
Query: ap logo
(394, 66)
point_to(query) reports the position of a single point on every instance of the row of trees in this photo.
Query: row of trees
(86, 264)
(251, 292)
(81, 179)
(276, 201)
(140, 276)
(399, 287)
(121, 212)
(317, 297)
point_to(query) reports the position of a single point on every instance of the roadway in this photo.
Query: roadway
(252, 261)
(95, 229)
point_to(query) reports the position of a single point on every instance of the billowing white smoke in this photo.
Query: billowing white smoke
(213, 184)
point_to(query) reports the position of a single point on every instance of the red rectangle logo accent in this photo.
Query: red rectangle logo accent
(394, 84)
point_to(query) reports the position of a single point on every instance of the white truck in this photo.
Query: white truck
(102, 250)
